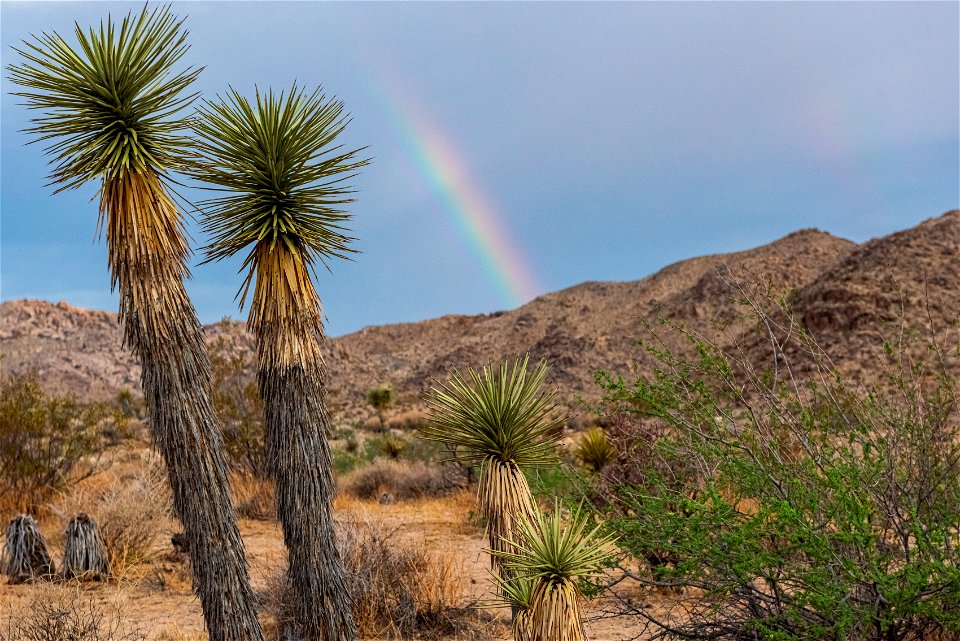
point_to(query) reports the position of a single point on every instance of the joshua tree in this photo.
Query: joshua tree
(84, 555)
(110, 111)
(25, 555)
(380, 398)
(501, 421)
(555, 558)
(286, 185)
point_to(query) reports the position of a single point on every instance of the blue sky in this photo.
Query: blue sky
(607, 140)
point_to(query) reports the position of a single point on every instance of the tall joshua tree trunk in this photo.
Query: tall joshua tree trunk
(147, 254)
(292, 380)
(283, 175)
(109, 113)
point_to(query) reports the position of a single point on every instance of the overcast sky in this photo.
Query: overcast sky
(524, 148)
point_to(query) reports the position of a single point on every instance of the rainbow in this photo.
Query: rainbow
(474, 215)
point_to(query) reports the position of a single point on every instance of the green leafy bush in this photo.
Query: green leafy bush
(46, 441)
(785, 502)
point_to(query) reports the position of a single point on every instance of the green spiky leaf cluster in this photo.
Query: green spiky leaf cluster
(516, 592)
(499, 413)
(595, 450)
(109, 106)
(546, 548)
(285, 175)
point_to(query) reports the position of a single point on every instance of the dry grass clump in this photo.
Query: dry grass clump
(56, 613)
(399, 589)
(390, 480)
(254, 497)
(407, 421)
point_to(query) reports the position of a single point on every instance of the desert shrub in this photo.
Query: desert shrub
(594, 450)
(403, 480)
(406, 421)
(239, 408)
(46, 441)
(807, 507)
(56, 613)
(399, 588)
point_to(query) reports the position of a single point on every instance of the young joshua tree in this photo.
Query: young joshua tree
(555, 556)
(500, 420)
(109, 110)
(285, 178)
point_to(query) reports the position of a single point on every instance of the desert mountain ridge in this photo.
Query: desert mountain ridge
(848, 295)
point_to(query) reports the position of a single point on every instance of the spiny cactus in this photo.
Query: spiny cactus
(25, 555)
(85, 555)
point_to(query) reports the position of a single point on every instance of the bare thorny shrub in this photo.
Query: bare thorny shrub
(67, 613)
(781, 501)
(399, 588)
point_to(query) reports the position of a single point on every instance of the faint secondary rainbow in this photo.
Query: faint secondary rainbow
(473, 213)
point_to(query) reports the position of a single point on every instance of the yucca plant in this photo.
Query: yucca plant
(556, 555)
(110, 112)
(594, 449)
(284, 175)
(500, 420)
(84, 554)
(25, 556)
(517, 592)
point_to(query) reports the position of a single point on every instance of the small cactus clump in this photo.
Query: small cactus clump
(25, 555)
(84, 555)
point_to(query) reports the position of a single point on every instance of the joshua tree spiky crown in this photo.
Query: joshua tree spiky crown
(109, 108)
(556, 555)
(517, 592)
(501, 420)
(110, 113)
(285, 183)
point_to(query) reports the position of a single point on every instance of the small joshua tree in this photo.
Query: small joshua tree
(84, 555)
(380, 398)
(500, 420)
(556, 557)
(25, 555)
(518, 594)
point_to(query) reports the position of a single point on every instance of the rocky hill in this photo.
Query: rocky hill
(847, 294)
